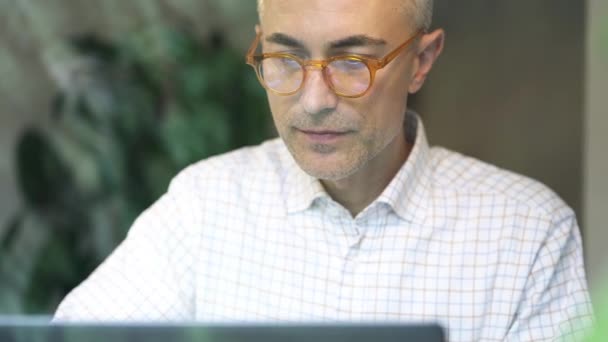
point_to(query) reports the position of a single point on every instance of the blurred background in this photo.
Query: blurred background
(101, 103)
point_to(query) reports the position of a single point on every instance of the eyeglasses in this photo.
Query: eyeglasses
(347, 75)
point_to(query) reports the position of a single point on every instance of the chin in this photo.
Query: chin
(325, 165)
(322, 170)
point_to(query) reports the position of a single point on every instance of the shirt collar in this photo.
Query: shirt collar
(406, 194)
(302, 189)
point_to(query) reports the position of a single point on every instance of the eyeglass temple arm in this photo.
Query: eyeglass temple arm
(398, 49)
(251, 51)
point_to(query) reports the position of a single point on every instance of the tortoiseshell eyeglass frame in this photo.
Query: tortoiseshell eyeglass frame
(373, 64)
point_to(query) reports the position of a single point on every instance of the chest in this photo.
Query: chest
(311, 274)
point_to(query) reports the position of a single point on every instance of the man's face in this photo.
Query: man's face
(333, 137)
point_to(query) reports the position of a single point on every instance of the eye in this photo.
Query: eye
(348, 64)
(290, 63)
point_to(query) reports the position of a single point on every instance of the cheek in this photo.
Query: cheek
(393, 81)
(386, 102)
(279, 110)
(384, 110)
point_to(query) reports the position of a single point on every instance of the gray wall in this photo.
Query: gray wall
(509, 88)
(596, 146)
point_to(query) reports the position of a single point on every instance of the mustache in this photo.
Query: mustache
(333, 121)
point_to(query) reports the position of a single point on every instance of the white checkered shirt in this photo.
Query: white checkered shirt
(249, 237)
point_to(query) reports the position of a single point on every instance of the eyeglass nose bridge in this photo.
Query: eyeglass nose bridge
(319, 64)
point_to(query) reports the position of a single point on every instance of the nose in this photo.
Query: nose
(317, 97)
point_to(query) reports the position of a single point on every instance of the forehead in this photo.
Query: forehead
(335, 17)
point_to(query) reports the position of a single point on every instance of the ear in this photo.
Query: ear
(429, 49)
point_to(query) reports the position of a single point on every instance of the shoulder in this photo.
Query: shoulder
(471, 178)
(246, 167)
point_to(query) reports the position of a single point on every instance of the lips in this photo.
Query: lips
(323, 132)
(323, 136)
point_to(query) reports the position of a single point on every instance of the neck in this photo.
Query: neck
(357, 191)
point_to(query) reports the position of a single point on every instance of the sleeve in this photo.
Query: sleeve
(555, 304)
(148, 276)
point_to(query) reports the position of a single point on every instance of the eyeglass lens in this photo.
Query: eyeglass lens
(285, 75)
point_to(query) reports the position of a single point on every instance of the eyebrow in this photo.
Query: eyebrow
(356, 41)
(352, 41)
(283, 39)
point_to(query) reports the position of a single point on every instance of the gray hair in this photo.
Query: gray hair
(422, 9)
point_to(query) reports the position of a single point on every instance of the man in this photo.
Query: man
(349, 216)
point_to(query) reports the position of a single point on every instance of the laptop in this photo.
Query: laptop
(37, 330)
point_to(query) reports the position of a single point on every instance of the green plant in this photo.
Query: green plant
(127, 118)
